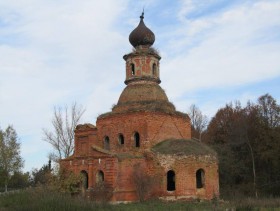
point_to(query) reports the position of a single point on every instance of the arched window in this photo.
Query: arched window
(99, 177)
(107, 143)
(200, 178)
(137, 139)
(84, 175)
(132, 68)
(171, 180)
(121, 139)
(154, 69)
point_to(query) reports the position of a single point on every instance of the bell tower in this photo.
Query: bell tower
(143, 62)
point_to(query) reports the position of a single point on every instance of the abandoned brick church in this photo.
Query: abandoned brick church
(144, 136)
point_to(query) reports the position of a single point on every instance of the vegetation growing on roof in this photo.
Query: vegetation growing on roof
(151, 50)
(183, 147)
(139, 51)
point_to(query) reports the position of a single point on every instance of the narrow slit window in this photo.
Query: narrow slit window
(132, 67)
(137, 139)
(107, 143)
(121, 139)
(99, 177)
(171, 186)
(84, 176)
(154, 69)
(200, 178)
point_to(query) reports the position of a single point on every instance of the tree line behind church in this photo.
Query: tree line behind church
(247, 141)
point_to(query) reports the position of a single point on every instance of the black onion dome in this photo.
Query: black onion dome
(141, 35)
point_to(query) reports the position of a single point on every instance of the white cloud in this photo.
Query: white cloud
(56, 52)
(229, 51)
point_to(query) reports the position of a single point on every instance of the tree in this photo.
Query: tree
(43, 175)
(144, 183)
(269, 111)
(227, 134)
(198, 121)
(10, 159)
(247, 142)
(269, 144)
(64, 124)
(20, 180)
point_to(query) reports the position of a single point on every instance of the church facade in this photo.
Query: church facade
(144, 140)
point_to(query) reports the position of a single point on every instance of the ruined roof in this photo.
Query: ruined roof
(85, 126)
(141, 35)
(183, 147)
(99, 149)
(143, 97)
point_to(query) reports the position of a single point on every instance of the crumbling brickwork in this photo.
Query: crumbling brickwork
(144, 135)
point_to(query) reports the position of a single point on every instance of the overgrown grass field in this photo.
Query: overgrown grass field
(40, 199)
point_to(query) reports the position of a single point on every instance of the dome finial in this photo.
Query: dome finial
(142, 16)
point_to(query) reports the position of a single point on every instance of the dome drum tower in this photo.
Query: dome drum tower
(143, 62)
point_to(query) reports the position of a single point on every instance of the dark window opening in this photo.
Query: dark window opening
(137, 139)
(84, 180)
(132, 69)
(154, 69)
(99, 177)
(121, 139)
(171, 180)
(107, 143)
(200, 178)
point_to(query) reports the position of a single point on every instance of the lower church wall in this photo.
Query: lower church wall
(122, 174)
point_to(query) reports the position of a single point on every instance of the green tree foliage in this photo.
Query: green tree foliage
(43, 175)
(62, 181)
(66, 182)
(20, 180)
(10, 159)
(247, 140)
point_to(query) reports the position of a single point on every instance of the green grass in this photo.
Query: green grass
(43, 200)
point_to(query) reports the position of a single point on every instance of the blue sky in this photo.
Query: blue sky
(55, 52)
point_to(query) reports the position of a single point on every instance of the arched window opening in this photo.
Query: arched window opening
(99, 177)
(154, 69)
(132, 68)
(84, 175)
(137, 139)
(171, 181)
(200, 178)
(107, 143)
(121, 139)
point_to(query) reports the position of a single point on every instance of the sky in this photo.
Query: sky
(56, 52)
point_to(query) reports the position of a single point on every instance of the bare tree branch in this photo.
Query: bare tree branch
(62, 136)
(198, 121)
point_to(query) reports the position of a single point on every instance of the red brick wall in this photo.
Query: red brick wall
(143, 66)
(118, 169)
(152, 127)
(185, 168)
(118, 173)
(84, 139)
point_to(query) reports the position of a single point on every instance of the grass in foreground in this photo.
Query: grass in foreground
(40, 199)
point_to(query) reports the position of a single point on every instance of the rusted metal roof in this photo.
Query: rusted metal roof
(141, 35)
